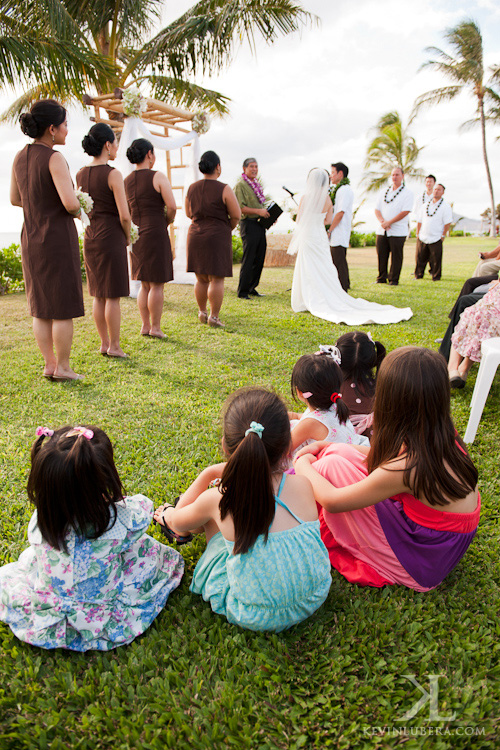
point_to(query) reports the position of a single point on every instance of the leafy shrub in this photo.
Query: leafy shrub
(457, 233)
(358, 239)
(237, 248)
(11, 270)
(82, 263)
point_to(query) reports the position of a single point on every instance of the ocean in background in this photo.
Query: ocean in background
(7, 238)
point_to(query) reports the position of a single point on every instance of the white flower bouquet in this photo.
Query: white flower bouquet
(134, 103)
(86, 206)
(201, 123)
(134, 233)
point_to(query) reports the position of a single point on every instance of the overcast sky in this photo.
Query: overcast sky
(312, 98)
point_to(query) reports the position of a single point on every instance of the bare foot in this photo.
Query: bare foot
(157, 334)
(68, 374)
(118, 353)
(145, 331)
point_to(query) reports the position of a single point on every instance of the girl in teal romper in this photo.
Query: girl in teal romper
(265, 566)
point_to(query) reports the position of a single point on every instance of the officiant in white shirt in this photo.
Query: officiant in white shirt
(392, 210)
(433, 222)
(339, 232)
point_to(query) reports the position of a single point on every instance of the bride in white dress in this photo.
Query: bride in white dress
(316, 285)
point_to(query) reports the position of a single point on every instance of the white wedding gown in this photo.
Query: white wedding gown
(316, 286)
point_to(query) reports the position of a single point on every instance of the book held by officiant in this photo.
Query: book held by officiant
(274, 212)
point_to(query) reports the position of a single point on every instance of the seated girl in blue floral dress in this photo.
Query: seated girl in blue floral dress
(91, 578)
(265, 566)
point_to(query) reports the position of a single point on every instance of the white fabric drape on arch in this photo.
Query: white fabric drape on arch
(134, 128)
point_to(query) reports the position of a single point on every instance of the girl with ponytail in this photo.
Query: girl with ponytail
(91, 577)
(265, 567)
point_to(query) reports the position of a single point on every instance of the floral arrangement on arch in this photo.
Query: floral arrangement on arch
(134, 103)
(201, 123)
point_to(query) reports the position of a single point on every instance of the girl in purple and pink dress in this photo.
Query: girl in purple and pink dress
(405, 510)
(91, 578)
(316, 382)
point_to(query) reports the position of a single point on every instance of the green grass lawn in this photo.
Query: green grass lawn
(192, 680)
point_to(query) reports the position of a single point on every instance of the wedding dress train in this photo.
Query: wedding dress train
(316, 287)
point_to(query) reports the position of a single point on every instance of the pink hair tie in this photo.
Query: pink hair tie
(78, 430)
(43, 431)
(335, 397)
(307, 394)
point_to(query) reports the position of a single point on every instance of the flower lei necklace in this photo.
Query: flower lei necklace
(256, 187)
(436, 209)
(423, 196)
(333, 190)
(398, 191)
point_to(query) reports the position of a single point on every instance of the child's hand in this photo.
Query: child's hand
(313, 448)
(215, 471)
(301, 461)
(293, 415)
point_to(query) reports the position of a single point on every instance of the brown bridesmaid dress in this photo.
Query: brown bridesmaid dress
(151, 254)
(209, 246)
(49, 241)
(105, 244)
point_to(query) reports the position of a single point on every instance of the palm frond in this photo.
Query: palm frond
(204, 39)
(186, 94)
(436, 96)
(41, 91)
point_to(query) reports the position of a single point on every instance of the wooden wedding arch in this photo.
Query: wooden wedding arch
(163, 117)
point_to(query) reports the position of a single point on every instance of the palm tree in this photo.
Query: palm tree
(392, 146)
(62, 47)
(465, 69)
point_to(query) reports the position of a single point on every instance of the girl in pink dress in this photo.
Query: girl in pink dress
(405, 510)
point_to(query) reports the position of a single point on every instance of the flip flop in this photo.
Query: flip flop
(172, 536)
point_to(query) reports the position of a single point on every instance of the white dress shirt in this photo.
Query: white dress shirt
(344, 200)
(432, 228)
(403, 202)
(421, 199)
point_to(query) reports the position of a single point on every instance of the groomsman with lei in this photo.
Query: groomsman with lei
(433, 222)
(420, 200)
(339, 233)
(250, 195)
(393, 207)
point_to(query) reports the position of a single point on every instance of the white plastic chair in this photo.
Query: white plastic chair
(490, 360)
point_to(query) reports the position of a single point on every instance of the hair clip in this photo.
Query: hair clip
(78, 430)
(331, 351)
(335, 397)
(370, 337)
(255, 427)
(307, 394)
(43, 431)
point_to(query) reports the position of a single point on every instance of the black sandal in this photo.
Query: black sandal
(171, 535)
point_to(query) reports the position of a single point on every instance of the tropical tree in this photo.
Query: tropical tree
(64, 47)
(464, 67)
(392, 146)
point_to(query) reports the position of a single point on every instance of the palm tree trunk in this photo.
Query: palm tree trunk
(488, 175)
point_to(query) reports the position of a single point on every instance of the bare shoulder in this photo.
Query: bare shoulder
(57, 161)
(115, 177)
(298, 496)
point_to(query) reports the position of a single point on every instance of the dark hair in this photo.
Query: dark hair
(431, 177)
(321, 375)
(95, 140)
(412, 417)
(440, 183)
(340, 167)
(359, 357)
(249, 161)
(73, 484)
(209, 162)
(138, 150)
(246, 485)
(41, 116)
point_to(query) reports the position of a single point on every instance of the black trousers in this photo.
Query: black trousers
(253, 237)
(340, 262)
(393, 247)
(431, 253)
(461, 304)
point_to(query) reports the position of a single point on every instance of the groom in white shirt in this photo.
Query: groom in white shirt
(393, 207)
(339, 232)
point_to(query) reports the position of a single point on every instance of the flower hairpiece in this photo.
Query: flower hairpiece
(331, 351)
(78, 430)
(43, 431)
(255, 427)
